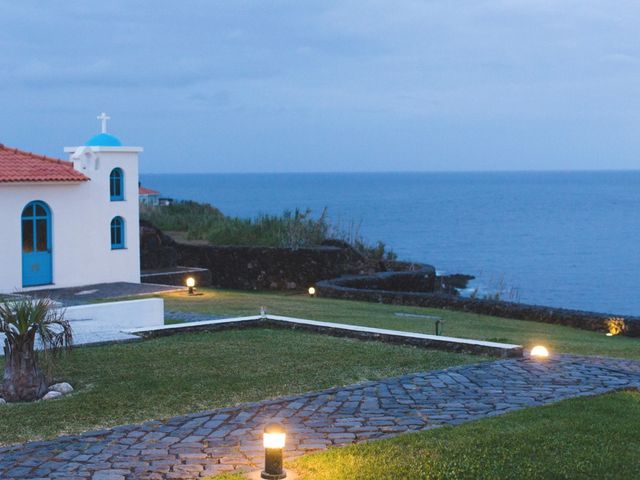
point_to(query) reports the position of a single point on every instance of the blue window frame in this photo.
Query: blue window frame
(36, 231)
(117, 233)
(116, 185)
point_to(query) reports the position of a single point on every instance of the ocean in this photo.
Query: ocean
(564, 239)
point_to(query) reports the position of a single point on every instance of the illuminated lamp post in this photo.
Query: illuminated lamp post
(191, 284)
(273, 441)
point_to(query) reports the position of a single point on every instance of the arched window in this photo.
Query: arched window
(116, 184)
(117, 233)
(36, 231)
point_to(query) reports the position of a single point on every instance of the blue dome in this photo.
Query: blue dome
(103, 140)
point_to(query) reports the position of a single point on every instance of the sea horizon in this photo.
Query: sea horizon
(301, 172)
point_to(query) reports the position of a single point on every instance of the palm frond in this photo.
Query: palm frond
(21, 320)
(55, 332)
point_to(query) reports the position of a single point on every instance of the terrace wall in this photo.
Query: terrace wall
(252, 268)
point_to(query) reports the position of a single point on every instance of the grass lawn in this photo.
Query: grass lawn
(583, 438)
(457, 324)
(186, 373)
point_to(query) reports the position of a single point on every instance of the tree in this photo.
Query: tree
(22, 321)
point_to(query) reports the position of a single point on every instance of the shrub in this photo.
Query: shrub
(291, 229)
(22, 321)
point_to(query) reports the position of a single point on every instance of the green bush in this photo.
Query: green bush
(181, 216)
(291, 229)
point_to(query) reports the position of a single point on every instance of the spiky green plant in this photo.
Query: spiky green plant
(22, 321)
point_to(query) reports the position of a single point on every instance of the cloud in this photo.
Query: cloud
(298, 69)
(124, 73)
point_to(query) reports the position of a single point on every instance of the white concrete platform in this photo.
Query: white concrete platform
(106, 322)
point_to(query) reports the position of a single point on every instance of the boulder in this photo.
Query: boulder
(51, 395)
(63, 388)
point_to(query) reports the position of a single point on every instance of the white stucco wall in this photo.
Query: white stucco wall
(81, 218)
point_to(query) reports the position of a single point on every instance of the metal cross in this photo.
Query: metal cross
(103, 118)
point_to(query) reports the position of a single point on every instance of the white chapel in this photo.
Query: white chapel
(69, 223)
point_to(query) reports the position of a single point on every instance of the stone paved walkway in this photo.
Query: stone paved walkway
(207, 443)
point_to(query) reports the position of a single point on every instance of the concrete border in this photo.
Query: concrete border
(451, 344)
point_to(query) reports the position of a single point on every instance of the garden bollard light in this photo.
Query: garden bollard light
(539, 351)
(191, 283)
(273, 440)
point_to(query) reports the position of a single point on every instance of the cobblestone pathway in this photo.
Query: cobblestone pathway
(207, 443)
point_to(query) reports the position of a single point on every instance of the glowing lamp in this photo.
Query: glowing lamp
(312, 291)
(539, 351)
(273, 441)
(615, 326)
(191, 283)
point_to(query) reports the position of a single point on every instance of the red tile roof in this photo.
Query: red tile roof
(20, 166)
(147, 191)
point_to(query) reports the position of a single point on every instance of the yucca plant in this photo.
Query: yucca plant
(22, 321)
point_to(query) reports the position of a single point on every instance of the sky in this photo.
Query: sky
(306, 86)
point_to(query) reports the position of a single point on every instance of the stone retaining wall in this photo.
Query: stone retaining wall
(252, 268)
(343, 288)
(267, 268)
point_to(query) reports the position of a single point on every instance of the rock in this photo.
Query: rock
(414, 281)
(3, 401)
(456, 280)
(51, 395)
(63, 388)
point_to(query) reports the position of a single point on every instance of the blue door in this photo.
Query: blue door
(36, 244)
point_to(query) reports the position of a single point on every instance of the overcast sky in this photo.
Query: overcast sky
(259, 86)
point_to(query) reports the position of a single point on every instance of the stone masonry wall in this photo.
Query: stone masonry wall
(252, 268)
(266, 268)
